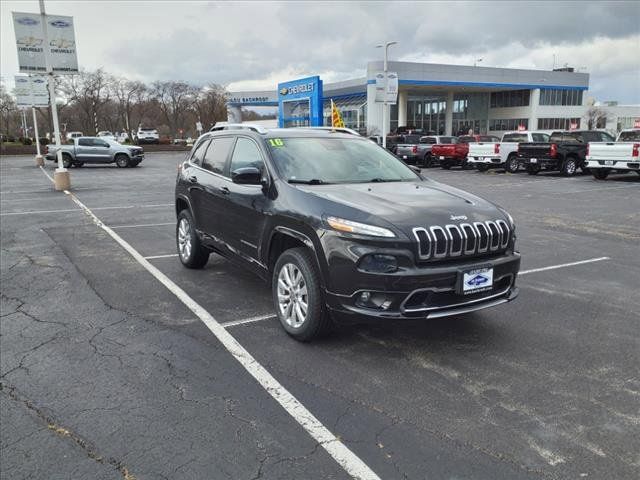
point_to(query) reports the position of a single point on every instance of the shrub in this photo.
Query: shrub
(26, 141)
(11, 139)
(43, 141)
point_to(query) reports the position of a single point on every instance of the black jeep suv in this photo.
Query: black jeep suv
(342, 228)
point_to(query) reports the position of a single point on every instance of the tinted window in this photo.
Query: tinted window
(630, 136)
(448, 140)
(429, 140)
(466, 139)
(198, 152)
(216, 156)
(606, 137)
(100, 143)
(572, 138)
(539, 137)
(488, 138)
(556, 137)
(85, 142)
(591, 136)
(411, 139)
(246, 154)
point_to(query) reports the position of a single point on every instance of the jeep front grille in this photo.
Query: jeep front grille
(466, 239)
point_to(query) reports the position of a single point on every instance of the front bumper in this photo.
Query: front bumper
(425, 291)
(614, 164)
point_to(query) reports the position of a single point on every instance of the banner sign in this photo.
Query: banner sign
(30, 42)
(387, 87)
(31, 91)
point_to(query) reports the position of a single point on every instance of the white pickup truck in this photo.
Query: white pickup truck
(486, 155)
(623, 155)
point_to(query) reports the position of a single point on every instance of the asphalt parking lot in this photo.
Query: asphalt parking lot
(107, 374)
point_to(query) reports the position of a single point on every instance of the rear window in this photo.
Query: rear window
(539, 137)
(466, 139)
(515, 137)
(633, 136)
(411, 139)
(556, 137)
(429, 140)
(488, 138)
(448, 139)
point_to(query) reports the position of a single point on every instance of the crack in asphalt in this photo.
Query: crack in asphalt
(63, 432)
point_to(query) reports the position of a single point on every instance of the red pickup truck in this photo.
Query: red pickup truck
(455, 153)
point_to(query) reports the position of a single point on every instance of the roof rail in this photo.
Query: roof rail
(239, 126)
(334, 129)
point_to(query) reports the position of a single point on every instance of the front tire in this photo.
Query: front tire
(600, 173)
(122, 160)
(67, 161)
(297, 295)
(191, 252)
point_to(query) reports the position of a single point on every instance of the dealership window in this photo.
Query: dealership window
(558, 123)
(560, 97)
(503, 124)
(510, 98)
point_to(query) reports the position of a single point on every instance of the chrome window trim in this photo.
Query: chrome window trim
(426, 232)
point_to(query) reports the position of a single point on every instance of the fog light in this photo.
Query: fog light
(364, 297)
(374, 300)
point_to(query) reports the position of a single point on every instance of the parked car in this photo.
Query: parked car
(179, 141)
(106, 135)
(376, 138)
(622, 156)
(342, 229)
(455, 153)
(486, 155)
(147, 135)
(399, 136)
(122, 137)
(72, 135)
(565, 151)
(421, 153)
(96, 150)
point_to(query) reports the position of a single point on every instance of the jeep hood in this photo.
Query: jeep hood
(408, 204)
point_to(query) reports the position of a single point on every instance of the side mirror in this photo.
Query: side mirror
(247, 176)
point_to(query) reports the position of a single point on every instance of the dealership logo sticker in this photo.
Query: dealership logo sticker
(284, 91)
(477, 281)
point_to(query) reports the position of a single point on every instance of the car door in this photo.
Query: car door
(84, 150)
(101, 151)
(215, 184)
(193, 174)
(244, 214)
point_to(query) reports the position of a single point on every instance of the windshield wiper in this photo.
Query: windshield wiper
(374, 180)
(313, 181)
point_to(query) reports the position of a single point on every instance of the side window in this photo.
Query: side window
(85, 142)
(198, 152)
(100, 143)
(606, 137)
(246, 154)
(215, 159)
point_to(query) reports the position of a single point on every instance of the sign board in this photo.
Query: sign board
(300, 103)
(521, 128)
(31, 91)
(387, 87)
(636, 124)
(573, 126)
(31, 48)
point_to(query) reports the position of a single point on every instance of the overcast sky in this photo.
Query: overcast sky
(253, 45)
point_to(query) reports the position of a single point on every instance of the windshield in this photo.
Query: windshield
(336, 160)
(632, 136)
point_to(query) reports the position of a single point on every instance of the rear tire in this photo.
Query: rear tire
(122, 160)
(600, 173)
(511, 166)
(427, 161)
(445, 164)
(569, 167)
(297, 295)
(191, 252)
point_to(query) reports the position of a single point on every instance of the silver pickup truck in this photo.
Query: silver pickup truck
(419, 151)
(97, 150)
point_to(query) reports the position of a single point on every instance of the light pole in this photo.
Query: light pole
(477, 61)
(61, 179)
(384, 104)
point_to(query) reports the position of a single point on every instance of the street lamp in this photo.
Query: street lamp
(384, 104)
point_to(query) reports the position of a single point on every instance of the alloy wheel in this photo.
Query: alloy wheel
(293, 298)
(184, 239)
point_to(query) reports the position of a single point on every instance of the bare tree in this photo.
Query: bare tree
(9, 113)
(129, 94)
(175, 99)
(596, 117)
(210, 105)
(90, 92)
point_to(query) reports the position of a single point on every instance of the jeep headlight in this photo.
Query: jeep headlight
(358, 228)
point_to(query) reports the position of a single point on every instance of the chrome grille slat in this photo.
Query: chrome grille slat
(465, 239)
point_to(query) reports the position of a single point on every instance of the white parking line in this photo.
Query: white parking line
(143, 225)
(36, 212)
(168, 255)
(563, 265)
(248, 320)
(348, 460)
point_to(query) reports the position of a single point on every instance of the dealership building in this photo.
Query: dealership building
(446, 99)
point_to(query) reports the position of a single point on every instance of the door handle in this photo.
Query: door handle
(193, 179)
(225, 190)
